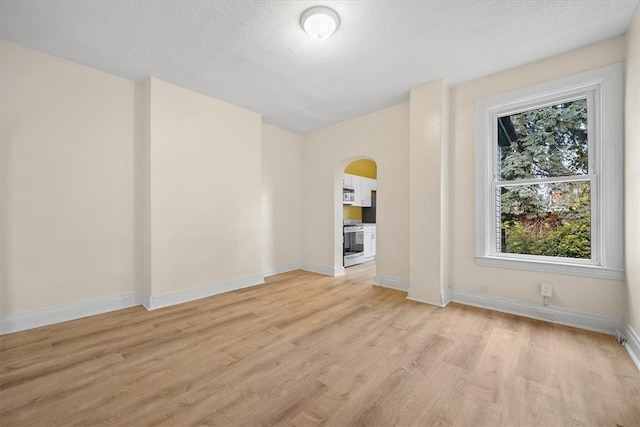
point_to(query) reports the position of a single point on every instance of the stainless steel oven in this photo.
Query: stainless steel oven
(353, 237)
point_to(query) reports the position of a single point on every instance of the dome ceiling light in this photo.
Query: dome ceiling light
(320, 22)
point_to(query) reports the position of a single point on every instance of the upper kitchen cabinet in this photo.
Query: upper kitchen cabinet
(362, 188)
(367, 185)
(347, 180)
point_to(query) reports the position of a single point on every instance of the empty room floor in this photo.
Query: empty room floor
(305, 350)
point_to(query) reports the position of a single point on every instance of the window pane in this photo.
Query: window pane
(544, 142)
(546, 219)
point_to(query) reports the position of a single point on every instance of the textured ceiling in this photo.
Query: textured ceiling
(254, 53)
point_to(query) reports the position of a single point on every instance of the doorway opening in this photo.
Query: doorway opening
(359, 214)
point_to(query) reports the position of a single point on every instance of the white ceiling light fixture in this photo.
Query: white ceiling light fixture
(320, 22)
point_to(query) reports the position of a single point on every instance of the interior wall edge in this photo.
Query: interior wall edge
(425, 301)
(323, 269)
(392, 283)
(63, 313)
(632, 344)
(563, 316)
(77, 310)
(272, 271)
(192, 294)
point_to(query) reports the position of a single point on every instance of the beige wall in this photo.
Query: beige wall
(632, 173)
(67, 140)
(382, 136)
(429, 193)
(105, 185)
(585, 294)
(142, 192)
(281, 194)
(205, 184)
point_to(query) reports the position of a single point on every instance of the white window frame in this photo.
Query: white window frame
(603, 89)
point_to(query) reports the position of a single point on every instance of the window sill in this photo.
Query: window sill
(551, 267)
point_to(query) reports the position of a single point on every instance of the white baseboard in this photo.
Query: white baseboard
(145, 297)
(338, 271)
(446, 297)
(159, 301)
(63, 313)
(272, 271)
(321, 269)
(392, 283)
(632, 344)
(563, 316)
(424, 301)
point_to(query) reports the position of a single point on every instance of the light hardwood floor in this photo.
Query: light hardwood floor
(309, 350)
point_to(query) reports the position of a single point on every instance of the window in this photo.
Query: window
(549, 176)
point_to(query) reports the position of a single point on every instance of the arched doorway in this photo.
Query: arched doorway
(356, 213)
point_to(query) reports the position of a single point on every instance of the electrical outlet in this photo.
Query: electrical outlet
(546, 290)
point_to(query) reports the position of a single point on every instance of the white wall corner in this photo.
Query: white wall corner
(321, 269)
(428, 210)
(424, 301)
(632, 344)
(563, 316)
(192, 294)
(392, 283)
(63, 313)
(144, 298)
(272, 271)
(446, 297)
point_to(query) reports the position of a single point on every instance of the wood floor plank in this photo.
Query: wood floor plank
(312, 350)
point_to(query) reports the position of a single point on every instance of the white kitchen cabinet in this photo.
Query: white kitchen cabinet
(366, 186)
(347, 180)
(369, 242)
(357, 191)
(362, 188)
(362, 191)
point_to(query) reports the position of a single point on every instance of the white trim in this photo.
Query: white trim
(272, 271)
(562, 316)
(537, 181)
(424, 301)
(66, 312)
(321, 269)
(584, 270)
(446, 297)
(145, 298)
(603, 88)
(191, 294)
(632, 344)
(391, 283)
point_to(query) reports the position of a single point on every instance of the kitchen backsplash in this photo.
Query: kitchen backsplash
(352, 212)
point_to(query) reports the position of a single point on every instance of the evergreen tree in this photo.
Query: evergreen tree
(545, 142)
